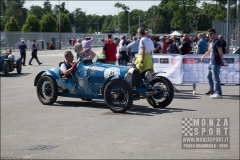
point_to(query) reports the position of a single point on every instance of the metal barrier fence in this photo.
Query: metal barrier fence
(14, 38)
(221, 29)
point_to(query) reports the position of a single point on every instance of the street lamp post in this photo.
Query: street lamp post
(59, 19)
(97, 22)
(129, 23)
(139, 20)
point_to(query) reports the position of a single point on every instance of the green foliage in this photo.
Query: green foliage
(90, 30)
(48, 23)
(65, 24)
(31, 24)
(169, 15)
(11, 25)
(47, 7)
(36, 10)
(14, 9)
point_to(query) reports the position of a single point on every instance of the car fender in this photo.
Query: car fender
(18, 59)
(38, 77)
(44, 73)
(111, 78)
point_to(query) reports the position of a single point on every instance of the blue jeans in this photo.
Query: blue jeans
(210, 78)
(123, 62)
(215, 72)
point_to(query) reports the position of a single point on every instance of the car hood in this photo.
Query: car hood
(107, 70)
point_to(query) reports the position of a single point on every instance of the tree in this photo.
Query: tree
(108, 25)
(12, 25)
(65, 24)
(62, 8)
(124, 19)
(15, 9)
(36, 10)
(79, 19)
(31, 24)
(48, 23)
(47, 7)
(90, 30)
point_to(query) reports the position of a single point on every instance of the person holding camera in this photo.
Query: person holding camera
(34, 53)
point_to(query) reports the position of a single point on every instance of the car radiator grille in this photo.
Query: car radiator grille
(136, 78)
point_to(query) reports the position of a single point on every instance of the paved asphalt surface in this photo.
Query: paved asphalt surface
(89, 130)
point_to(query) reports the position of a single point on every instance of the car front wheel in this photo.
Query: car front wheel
(19, 67)
(6, 68)
(164, 92)
(47, 90)
(118, 96)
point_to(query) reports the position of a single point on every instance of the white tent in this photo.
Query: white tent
(175, 33)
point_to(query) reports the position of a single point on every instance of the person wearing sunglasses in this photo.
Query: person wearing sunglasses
(216, 61)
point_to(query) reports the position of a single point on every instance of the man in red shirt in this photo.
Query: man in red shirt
(165, 45)
(73, 41)
(109, 49)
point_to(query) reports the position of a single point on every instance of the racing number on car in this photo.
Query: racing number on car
(111, 73)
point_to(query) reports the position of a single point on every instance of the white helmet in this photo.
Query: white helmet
(10, 56)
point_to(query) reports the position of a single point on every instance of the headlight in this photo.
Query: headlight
(148, 75)
(128, 78)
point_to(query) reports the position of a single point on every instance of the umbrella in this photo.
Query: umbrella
(175, 33)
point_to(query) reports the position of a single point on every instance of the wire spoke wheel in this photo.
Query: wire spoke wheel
(164, 92)
(47, 90)
(118, 96)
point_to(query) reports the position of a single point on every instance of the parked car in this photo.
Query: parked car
(8, 63)
(117, 85)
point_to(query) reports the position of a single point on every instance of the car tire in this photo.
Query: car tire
(122, 93)
(47, 95)
(19, 67)
(6, 68)
(169, 97)
(86, 99)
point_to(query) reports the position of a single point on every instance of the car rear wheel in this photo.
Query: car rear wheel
(47, 90)
(118, 96)
(165, 92)
(6, 68)
(19, 67)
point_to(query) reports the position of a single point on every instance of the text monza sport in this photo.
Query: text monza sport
(208, 133)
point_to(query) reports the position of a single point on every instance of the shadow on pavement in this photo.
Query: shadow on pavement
(15, 74)
(233, 97)
(134, 110)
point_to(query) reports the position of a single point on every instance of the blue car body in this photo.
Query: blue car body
(8, 64)
(91, 81)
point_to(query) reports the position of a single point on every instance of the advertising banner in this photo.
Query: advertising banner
(190, 68)
(169, 66)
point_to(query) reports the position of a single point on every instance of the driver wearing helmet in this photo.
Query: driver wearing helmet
(9, 54)
(68, 67)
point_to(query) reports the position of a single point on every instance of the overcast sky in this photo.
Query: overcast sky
(92, 7)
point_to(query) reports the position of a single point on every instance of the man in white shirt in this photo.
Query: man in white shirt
(68, 67)
(144, 61)
(152, 44)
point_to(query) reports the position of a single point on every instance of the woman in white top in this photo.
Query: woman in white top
(123, 58)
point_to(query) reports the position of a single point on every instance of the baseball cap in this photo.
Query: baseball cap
(22, 40)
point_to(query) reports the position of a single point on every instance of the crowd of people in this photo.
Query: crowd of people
(140, 50)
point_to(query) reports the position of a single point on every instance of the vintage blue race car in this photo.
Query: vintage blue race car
(117, 85)
(8, 63)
